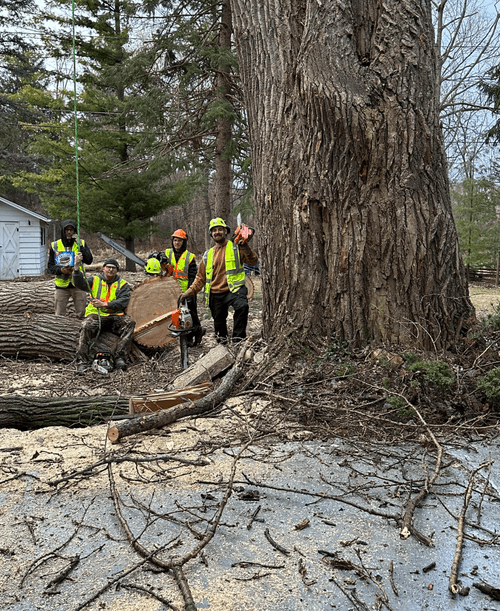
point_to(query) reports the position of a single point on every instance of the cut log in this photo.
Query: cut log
(168, 416)
(163, 400)
(31, 413)
(33, 336)
(39, 335)
(34, 297)
(151, 305)
(205, 369)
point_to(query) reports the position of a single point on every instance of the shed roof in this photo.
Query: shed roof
(25, 210)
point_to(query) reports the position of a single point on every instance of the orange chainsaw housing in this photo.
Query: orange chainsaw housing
(176, 319)
(242, 233)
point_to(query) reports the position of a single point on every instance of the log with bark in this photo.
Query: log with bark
(30, 413)
(165, 417)
(33, 336)
(34, 297)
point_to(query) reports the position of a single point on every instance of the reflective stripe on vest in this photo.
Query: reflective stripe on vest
(181, 266)
(235, 274)
(58, 247)
(105, 292)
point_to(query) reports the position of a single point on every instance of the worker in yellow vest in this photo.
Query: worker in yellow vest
(222, 275)
(65, 255)
(181, 264)
(109, 296)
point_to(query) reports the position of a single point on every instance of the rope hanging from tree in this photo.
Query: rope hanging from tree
(76, 123)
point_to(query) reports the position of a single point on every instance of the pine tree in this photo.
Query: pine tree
(119, 189)
(475, 213)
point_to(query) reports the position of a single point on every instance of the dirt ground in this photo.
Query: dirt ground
(89, 511)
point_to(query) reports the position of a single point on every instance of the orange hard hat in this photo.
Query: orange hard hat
(180, 233)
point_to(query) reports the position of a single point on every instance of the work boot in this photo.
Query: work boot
(199, 335)
(120, 363)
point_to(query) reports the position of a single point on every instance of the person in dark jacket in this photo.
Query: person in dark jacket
(181, 264)
(109, 296)
(59, 258)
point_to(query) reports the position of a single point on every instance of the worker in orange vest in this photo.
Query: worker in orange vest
(183, 267)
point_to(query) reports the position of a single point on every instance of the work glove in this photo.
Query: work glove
(182, 298)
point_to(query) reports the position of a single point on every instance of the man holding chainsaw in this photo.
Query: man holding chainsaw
(181, 264)
(66, 254)
(109, 296)
(221, 273)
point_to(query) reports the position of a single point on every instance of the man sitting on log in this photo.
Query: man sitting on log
(109, 296)
(71, 246)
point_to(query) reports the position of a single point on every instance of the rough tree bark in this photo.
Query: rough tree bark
(36, 297)
(30, 413)
(350, 176)
(49, 336)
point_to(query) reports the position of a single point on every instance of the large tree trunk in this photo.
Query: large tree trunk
(35, 297)
(350, 176)
(49, 336)
(29, 413)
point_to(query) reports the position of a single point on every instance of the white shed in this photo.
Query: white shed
(23, 241)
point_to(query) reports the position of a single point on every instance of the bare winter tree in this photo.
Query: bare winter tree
(466, 36)
(349, 171)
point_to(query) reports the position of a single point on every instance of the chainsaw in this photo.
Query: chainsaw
(243, 232)
(182, 322)
(103, 362)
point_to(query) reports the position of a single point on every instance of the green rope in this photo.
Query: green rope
(76, 125)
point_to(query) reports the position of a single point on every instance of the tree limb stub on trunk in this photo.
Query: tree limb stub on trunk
(165, 417)
(30, 413)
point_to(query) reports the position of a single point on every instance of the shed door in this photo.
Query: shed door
(9, 250)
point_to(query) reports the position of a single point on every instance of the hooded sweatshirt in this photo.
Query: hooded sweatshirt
(68, 245)
(193, 266)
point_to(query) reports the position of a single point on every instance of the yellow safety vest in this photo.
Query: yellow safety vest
(235, 274)
(105, 292)
(181, 266)
(58, 247)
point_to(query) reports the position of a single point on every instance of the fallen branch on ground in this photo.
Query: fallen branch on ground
(165, 417)
(453, 586)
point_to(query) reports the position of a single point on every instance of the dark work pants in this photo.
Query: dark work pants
(123, 326)
(220, 303)
(192, 304)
